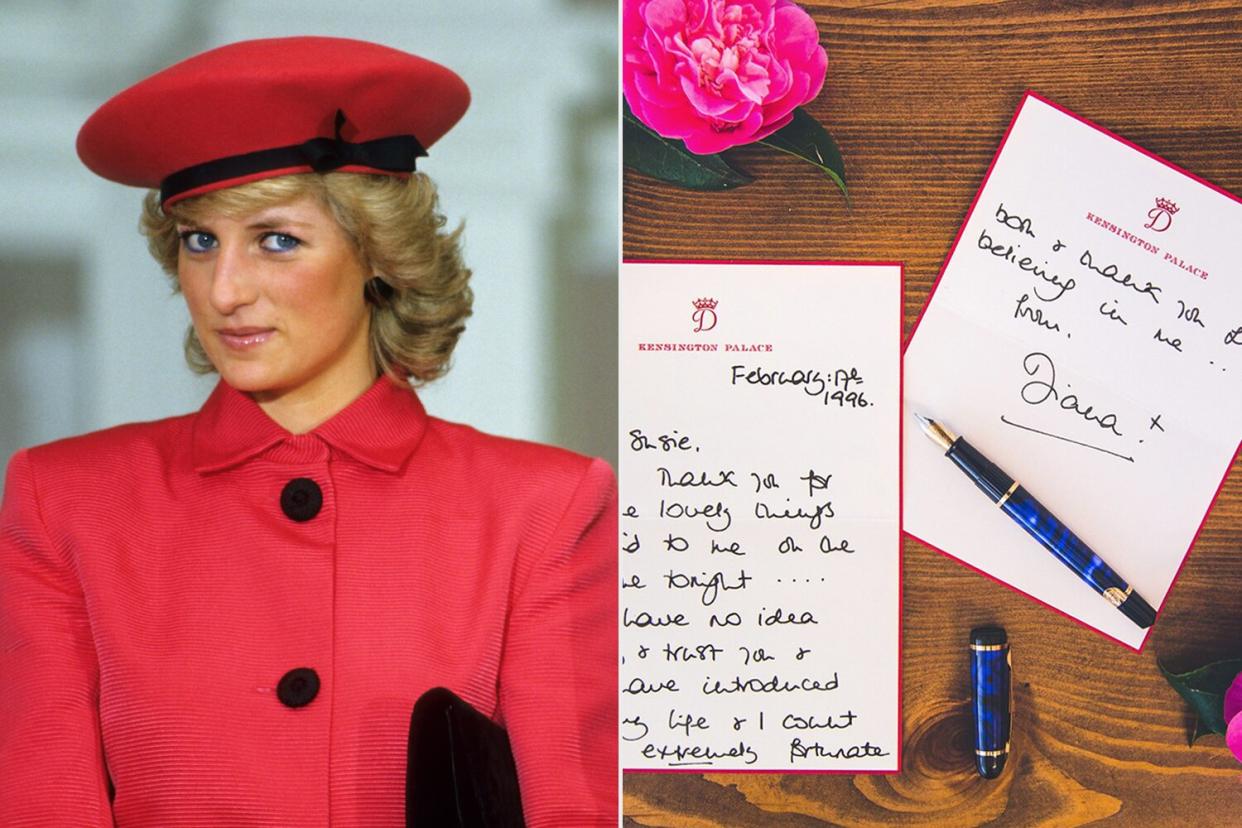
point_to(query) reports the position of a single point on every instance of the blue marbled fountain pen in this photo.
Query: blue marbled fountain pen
(992, 695)
(1040, 524)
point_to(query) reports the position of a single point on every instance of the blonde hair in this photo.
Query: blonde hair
(418, 310)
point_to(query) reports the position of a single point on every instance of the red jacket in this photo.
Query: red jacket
(158, 580)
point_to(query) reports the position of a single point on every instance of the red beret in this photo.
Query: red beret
(263, 108)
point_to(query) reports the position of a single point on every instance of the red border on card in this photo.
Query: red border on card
(961, 230)
(901, 373)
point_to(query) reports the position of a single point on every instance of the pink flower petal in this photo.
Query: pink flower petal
(1233, 699)
(642, 87)
(724, 135)
(794, 33)
(771, 126)
(753, 92)
(664, 15)
(1233, 736)
(782, 108)
(705, 102)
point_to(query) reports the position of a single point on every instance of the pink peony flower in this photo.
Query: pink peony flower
(1233, 716)
(719, 73)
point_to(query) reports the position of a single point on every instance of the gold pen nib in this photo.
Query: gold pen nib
(937, 432)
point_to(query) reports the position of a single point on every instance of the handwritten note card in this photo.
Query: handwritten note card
(1086, 335)
(760, 555)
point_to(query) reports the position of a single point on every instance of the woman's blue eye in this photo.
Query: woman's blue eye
(196, 241)
(279, 242)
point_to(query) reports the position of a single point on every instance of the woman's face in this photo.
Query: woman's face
(276, 297)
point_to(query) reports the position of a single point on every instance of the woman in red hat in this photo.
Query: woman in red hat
(225, 618)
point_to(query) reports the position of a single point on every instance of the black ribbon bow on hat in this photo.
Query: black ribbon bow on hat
(395, 153)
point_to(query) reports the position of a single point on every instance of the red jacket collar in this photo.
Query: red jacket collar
(381, 428)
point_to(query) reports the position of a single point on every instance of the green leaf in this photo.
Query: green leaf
(805, 138)
(1197, 731)
(1205, 690)
(668, 159)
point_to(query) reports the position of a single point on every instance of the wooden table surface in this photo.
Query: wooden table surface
(918, 96)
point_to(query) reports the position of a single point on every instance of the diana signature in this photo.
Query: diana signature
(1042, 387)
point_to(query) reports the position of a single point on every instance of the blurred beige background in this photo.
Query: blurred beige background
(90, 335)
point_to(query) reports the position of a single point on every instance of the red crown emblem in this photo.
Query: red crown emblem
(709, 304)
(1166, 205)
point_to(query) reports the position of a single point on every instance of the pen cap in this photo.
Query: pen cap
(988, 636)
(991, 691)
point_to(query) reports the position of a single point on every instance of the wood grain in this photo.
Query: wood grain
(918, 96)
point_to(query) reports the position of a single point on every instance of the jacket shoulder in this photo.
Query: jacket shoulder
(516, 465)
(118, 450)
(539, 492)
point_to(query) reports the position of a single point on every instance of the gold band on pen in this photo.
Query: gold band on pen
(1006, 495)
(993, 752)
(1116, 597)
(988, 648)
